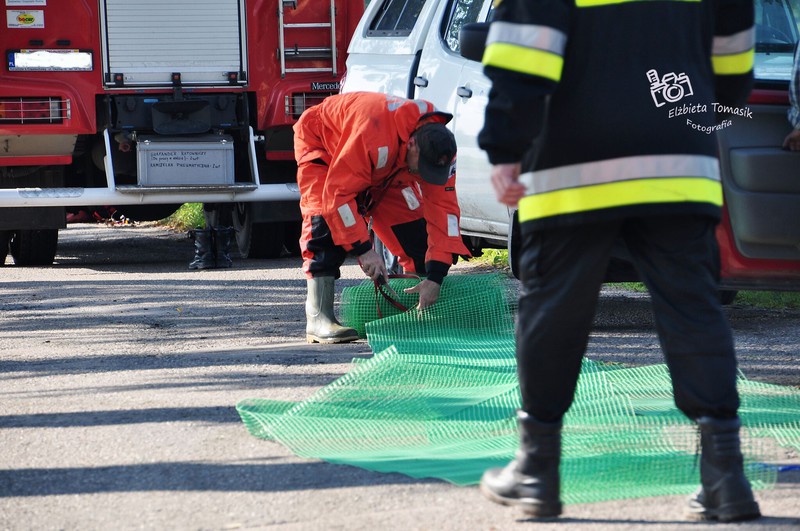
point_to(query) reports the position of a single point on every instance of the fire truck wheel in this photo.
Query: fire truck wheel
(256, 240)
(34, 247)
(5, 237)
(291, 237)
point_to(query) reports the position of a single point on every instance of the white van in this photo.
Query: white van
(412, 48)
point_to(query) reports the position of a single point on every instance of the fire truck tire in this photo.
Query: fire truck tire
(291, 237)
(34, 247)
(257, 240)
(265, 240)
(5, 237)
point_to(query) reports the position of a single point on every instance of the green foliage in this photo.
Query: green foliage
(494, 257)
(188, 216)
(638, 287)
(776, 300)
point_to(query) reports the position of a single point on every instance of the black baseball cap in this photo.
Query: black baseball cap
(437, 149)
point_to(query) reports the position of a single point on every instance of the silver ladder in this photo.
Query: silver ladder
(295, 53)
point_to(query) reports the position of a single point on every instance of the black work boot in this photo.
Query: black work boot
(725, 494)
(222, 246)
(321, 324)
(531, 481)
(203, 250)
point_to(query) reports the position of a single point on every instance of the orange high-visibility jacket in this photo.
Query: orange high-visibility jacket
(362, 137)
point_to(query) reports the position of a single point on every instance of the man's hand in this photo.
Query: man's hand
(792, 141)
(428, 293)
(372, 265)
(505, 179)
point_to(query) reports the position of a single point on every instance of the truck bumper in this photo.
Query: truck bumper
(113, 194)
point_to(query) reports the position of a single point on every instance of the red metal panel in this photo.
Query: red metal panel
(736, 266)
(37, 160)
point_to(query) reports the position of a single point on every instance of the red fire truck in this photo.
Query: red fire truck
(148, 104)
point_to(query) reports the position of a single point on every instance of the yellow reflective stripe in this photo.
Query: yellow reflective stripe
(619, 194)
(596, 3)
(524, 60)
(737, 63)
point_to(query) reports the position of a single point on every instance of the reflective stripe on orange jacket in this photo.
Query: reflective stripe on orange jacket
(409, 198)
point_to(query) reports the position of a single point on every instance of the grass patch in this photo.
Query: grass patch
(496, 258)
(188, 216)
(638, 287)
(493, 257)
(773, 300)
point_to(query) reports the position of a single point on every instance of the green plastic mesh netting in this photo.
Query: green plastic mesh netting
(438, 400)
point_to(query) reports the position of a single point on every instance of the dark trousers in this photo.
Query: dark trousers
(562, 271)
(321, 257)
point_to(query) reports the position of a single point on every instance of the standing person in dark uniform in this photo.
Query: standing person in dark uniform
(621, 95)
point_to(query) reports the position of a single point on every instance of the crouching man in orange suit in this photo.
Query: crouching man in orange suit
(365, 157)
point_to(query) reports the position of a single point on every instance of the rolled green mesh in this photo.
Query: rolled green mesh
(438, 399)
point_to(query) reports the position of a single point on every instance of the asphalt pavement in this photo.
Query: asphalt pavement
(120, 370)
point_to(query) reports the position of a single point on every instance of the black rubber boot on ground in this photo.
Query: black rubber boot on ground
(531, 481)
(321, 324)
(222, 245)
(203, 250)
(725, 494)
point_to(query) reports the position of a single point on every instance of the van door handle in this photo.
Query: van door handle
(420, 82)
(464, 92)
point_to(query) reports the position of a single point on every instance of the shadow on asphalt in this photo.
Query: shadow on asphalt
(216, 414)
(263, 477)
(282, 355)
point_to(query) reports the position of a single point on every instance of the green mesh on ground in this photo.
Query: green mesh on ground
(438, 399)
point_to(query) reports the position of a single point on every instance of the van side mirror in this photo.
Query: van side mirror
(472, 39)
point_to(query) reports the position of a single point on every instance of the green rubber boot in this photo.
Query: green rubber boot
(321, 324)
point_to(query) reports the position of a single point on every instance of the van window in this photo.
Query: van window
(395, 18)
(462, 12)
(776, 37)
